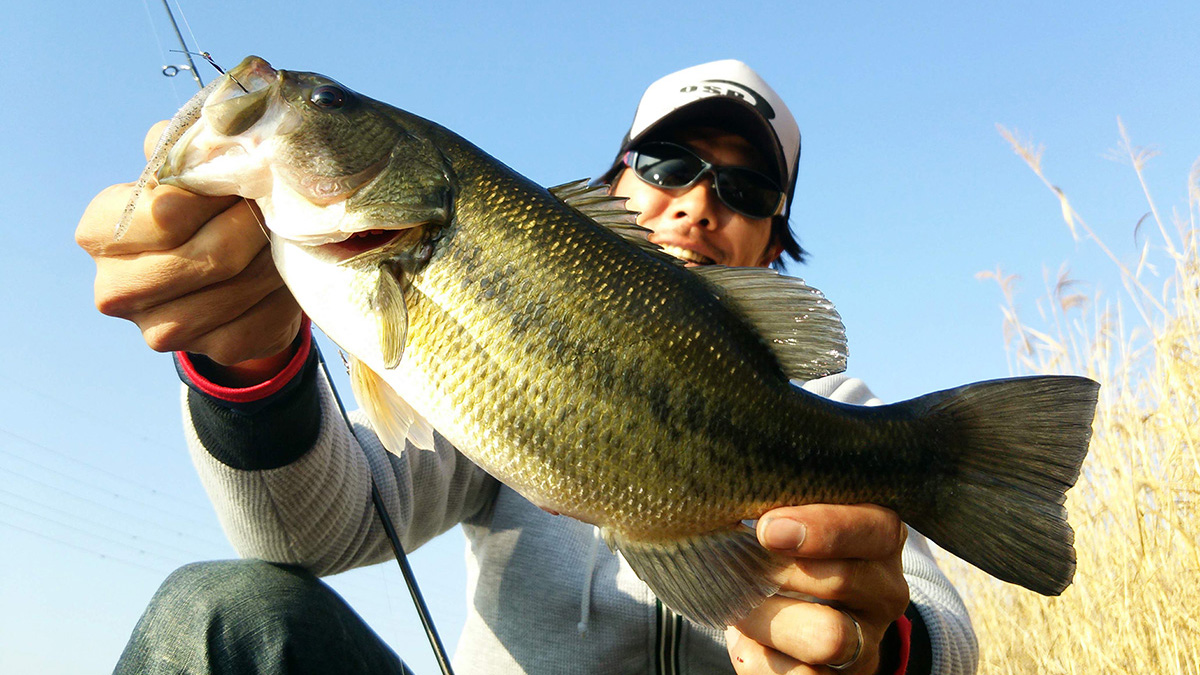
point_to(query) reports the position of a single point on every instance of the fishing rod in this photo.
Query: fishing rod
(410, 579)
(172, 71)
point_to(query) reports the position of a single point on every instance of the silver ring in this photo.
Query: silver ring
(857, 650)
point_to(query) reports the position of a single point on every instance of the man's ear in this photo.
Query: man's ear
(774, 250)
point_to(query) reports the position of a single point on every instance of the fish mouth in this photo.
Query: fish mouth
(690, 257)
(242, 100)
(253, 73)
(220, 152)
(358, 244)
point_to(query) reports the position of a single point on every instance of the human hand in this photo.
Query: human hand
(195, 274)
(848, 556)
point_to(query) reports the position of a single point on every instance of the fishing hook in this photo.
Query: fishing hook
(207, 57)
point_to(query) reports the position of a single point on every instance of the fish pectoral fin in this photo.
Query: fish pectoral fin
(391, 416)
(795, 320)
(714, 578)
(393, 315)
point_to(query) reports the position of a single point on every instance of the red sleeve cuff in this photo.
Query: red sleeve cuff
(259, 391)
(904, 630)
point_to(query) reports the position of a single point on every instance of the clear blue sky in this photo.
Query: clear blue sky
(906, 191)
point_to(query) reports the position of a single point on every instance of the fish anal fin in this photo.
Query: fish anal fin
(714, 579)
(391, 416)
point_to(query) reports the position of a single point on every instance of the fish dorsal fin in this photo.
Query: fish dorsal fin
(714, 578)
(391, 416)
(595, 202)
(796, 321)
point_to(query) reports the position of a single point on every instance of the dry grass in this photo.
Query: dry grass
(1135, 603)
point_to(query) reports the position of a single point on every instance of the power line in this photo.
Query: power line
(95, 487)
(349, 584)
(77, 547)
(197, 534)
(84, 520)
(84, 532)
(81, 411)
(93, 468)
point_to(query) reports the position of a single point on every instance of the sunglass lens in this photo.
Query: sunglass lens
(666, 165)
(748, 191)
(744, 190)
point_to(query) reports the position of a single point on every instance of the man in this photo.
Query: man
(710, 165)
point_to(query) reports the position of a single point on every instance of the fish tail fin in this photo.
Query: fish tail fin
(1015, 448)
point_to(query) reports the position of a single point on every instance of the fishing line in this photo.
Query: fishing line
(261, 226)
(185, 24)
(208, 57)
(154, 30)
(410, 580)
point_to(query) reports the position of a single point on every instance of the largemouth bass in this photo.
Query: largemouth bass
(545, 337)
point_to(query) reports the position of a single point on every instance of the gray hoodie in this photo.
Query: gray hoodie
(544, 594)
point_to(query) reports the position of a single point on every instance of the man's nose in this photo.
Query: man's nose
(698, 203)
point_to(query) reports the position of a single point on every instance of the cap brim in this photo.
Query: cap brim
(721, 112)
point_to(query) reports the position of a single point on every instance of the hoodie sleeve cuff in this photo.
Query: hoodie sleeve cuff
(192, 369)
(266, 434)
(904, 629)
(895, 647)
(267, 426)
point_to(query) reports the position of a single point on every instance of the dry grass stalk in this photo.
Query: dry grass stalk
(1135, 603)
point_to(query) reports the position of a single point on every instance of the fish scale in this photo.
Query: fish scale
(686, 500)
(552, 344)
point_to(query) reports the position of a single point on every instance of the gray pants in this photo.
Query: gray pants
(249, 616)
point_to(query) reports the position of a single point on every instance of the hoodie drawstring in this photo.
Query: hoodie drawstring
(585, 603)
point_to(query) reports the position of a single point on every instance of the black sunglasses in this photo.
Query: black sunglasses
(671, 166)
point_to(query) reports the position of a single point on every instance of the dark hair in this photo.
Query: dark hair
(782, 234)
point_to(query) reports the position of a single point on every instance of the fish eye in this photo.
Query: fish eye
(328, 96)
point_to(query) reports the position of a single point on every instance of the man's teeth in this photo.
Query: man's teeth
(686, 255)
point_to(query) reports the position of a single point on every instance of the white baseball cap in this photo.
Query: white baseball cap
(724, 94)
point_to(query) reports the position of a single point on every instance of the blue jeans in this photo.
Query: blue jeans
(250, 616)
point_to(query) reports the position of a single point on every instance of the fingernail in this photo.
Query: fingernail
(783, 534)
